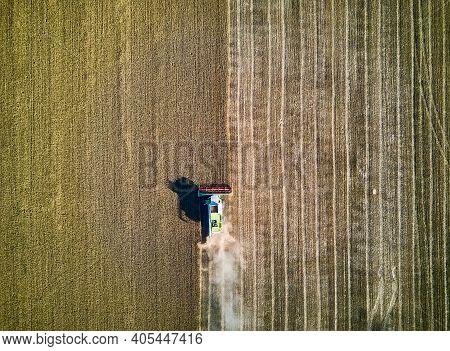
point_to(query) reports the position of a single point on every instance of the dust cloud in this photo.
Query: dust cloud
(225, 263)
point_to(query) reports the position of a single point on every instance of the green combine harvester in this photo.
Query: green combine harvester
(211, 208)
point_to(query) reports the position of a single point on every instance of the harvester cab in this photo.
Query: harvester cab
(211, 208)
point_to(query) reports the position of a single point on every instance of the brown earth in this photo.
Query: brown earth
(334, 136)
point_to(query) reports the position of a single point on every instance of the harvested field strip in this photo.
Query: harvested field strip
(351, 150)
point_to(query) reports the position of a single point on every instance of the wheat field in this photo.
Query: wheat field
(327, 117)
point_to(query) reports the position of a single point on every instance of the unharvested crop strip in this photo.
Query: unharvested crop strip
(269, 154)
(229, 79)
(283, 170)
(252, 70)
(238, 125)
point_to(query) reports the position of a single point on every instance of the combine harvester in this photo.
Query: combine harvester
(211, 208)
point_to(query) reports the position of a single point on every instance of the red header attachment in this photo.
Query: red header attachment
(214, 189)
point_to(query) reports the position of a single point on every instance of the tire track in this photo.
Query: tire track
(367, 157)
(431, 183)
(399, 164)
(333, 141)
(316, 167)
(347, 167)
(423, 225)
(413, 168)
(302, 178)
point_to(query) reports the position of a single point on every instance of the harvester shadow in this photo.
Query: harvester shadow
(188, 201)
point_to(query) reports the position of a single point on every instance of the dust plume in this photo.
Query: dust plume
(224, 265)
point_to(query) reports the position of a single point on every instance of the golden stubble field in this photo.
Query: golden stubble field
(329, 119)
(342, 204)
